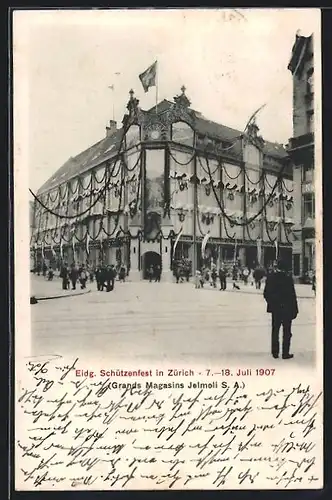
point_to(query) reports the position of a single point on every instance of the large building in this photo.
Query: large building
(32, 233)
(166, 183)
(301, 151)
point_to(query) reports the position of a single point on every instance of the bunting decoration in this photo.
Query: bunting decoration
(204, 242)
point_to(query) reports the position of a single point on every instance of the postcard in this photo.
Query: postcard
(168, 249)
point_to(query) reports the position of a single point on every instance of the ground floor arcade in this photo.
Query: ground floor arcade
(137, 256)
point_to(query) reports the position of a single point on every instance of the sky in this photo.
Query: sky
(230, 61)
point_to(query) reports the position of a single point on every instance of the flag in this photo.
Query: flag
(235, 251)
(149, 76)
(259, 251)
(253, 116)
(276, 247)
(87, 243)
(204, 242)
(177, 240)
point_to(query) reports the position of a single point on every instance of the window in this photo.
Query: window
(310, 81)
(310, 121)
(309, 206)
(308, 173)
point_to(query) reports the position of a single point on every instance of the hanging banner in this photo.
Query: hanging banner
(87, 243)
(204, 242)
(42, 250)
(52, 250)
(61, 249)
(277, 249)
(177, 239)
(73, 244)
(259, 251)
(235, 251)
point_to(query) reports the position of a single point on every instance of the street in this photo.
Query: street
(170, 322)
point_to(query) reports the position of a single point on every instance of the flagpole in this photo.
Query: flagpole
(113, 112)
(157, 72)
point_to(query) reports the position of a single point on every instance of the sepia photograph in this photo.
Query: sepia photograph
(168, 218)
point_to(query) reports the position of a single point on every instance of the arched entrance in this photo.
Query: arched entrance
(150, 259)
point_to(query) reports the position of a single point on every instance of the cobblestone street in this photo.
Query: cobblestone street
(169, 322)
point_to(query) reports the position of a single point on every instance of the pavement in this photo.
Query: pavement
(42, 289)
(145, 322)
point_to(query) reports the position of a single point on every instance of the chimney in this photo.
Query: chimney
(111, 128)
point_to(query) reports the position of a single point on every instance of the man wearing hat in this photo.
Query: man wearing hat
(281, 301)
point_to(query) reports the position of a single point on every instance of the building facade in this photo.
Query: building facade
(169, 184)
(32, 233)
(301, 151)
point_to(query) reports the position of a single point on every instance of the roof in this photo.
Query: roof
(94, 155)
(108, 147)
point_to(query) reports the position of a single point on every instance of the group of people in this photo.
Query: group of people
(79, 274)
(154, 273)
(73, 274)
(105, 278)
(210, 276)
(182, 270)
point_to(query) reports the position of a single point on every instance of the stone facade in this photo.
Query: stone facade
(301, 151)
(149, 193)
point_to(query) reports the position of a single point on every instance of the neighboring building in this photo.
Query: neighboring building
(138, 192)
(32, 232)
(301, 151)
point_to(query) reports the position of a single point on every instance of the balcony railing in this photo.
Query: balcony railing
(301, 141)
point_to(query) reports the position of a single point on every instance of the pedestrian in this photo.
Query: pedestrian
(83, 277)
(235, 277)
(157, 273)
(258, 275)
(198, 279)
(110, 278)
(122, 274)
(280, 296)
(44, 269)
(222, 278)
(313, 282)
(98, 278)
(73, 275)
(151, 273)
(92, 274)
(50, 275)
(245, 275)
(64, 275)
(214, 276)
(102, 277)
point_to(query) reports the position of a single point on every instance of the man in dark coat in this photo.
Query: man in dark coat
(64, 275)
(74, 275)
(222, 278)
(157, 273)
(110, 277)
(258, 275)
(280, 296)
